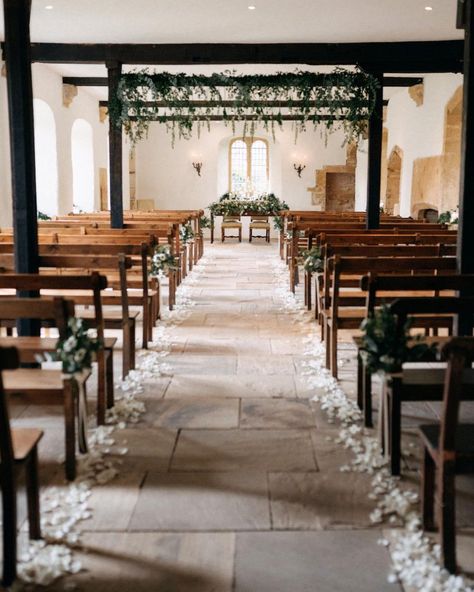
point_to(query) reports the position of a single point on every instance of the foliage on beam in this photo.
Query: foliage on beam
(342, 99)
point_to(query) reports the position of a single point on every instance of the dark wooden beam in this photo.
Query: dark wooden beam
(388, 81)
(465, 246)
(401, 81)
(85, 80)
(374, 172)
(224, 103)
(114, 70)
(397, 57)
(22, 144)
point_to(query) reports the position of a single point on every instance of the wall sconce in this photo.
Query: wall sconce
(197, 167)
(299, 169)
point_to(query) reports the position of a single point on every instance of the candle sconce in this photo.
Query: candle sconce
(299, 169)
(197, 167)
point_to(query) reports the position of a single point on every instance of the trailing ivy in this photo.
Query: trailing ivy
(340, 99)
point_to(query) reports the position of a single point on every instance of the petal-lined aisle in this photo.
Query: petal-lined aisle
(232, 480)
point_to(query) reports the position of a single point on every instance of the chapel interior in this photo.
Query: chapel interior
(237, 296)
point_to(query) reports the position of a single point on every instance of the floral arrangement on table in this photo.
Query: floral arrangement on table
(162, 261)
(342, 99)
(186, 233)
(449, 217)
(386, 348)
(266, 204)
(42, 216)
(312, 262)
(77, 350)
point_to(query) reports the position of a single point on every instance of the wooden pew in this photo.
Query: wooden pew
(122, 320)
(415, 384)
(396, 287)
(50, 387)
(68, 286)
(18, 451)
(346, 311)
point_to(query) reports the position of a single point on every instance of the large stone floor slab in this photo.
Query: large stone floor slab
(203, 501)
(276, 413)
(239, 386)
(149, 562)
(310, 501)
(237, 450)
(197, 413)
(330, 561)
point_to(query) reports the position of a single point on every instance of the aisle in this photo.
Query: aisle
(231, 482)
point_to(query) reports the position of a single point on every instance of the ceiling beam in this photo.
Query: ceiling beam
(276, 104)
(388, 81)
(399, 57)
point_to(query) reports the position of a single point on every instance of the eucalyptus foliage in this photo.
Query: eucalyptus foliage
(162, 261)
(186, 233)
(205, 222)
(340, 99)
(78, 349)
(312, 261)
(386, 346)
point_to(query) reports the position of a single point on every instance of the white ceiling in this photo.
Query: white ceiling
(230, 21)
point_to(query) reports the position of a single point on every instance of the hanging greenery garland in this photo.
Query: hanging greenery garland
(340, 99)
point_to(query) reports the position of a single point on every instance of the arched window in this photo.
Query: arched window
(82, 154)
(248, 165)
(46, 157)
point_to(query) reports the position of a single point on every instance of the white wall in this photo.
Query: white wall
(47, 85)
(418, 131)
(166, 175)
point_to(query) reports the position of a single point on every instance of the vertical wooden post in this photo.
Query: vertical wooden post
(374, 172)
(114, 70)
(465, 245)
(22, 144)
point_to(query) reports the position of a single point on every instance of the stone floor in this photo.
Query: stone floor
(231, 482)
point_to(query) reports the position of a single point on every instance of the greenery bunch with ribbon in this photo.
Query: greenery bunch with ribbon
(385, 348)
(77, 350)
(340, 99)
(312, 261)
(205, 222)
(162, 261)
(186, 233)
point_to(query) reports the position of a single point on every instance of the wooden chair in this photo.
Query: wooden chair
(232, 222)
(18, 450)
(259, 223)
(47, 387)
(448, 450)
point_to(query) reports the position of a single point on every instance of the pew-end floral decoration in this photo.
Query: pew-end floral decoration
(186, 233)
(385, 348)
(78, 349)
(162, 261)
(312, 262)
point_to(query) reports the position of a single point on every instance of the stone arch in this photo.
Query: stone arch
(82, 156)
(394, 172)
(46, 158)
(452, 151)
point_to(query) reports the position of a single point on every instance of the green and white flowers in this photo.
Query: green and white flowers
(312, 261)
(78, 350)
(162, 261)
(186, 233)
